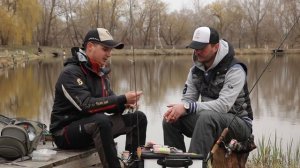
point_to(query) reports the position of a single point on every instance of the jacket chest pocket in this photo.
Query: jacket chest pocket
(219, 81)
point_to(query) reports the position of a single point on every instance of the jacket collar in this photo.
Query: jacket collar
(79, 56)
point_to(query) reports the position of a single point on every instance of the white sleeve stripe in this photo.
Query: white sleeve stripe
(70, 98)
(194, 107)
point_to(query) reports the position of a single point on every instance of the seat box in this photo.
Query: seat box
(155, 160)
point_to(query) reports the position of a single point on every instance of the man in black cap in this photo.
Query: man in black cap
(86, 111)
(215, 91)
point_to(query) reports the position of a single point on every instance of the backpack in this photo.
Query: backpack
(19, 139)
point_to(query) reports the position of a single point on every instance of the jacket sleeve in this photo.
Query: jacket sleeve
(234, 82)
(190, 92)
(74, 88)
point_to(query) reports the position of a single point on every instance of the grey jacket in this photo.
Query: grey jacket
(231, 93)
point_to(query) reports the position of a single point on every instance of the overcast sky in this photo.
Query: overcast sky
(179, 4)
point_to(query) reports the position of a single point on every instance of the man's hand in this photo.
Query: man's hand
(132, 106)
(132, 97)
(174, 112)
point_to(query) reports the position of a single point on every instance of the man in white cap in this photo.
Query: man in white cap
(215, 91)
(83, 98)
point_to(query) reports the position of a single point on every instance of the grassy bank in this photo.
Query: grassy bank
(10, 56)
(272, 153)
(189, 51)
(128, 51)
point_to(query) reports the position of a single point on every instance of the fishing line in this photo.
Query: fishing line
(225, 131)
(274, 55)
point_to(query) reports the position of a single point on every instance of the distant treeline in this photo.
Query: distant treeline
(148, 23)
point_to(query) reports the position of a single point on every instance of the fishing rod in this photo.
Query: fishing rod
(133, 62)
(134, 70)
(133, 47)
(226, 130)
(134, 109)
(275, 54)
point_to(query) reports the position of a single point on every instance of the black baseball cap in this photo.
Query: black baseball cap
(102, 36)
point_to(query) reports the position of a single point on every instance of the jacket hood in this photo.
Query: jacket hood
(224, 49)
(78, 56)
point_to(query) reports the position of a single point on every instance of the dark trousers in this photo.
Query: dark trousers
(204, 128)
(99, 130)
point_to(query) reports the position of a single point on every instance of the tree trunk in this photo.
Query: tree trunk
(46, 42)
(112, 18)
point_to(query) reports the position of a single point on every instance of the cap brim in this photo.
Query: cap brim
(113, 44)
(197, 45)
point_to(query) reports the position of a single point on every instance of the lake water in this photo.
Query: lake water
(27, 91)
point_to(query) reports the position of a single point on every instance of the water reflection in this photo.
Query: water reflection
(276, 98)
(28, 91)
(278, 88)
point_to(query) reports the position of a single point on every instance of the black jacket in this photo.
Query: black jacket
(80, 92)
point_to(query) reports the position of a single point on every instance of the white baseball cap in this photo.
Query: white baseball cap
(203, 36)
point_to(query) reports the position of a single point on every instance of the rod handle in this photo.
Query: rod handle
(216, 145)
